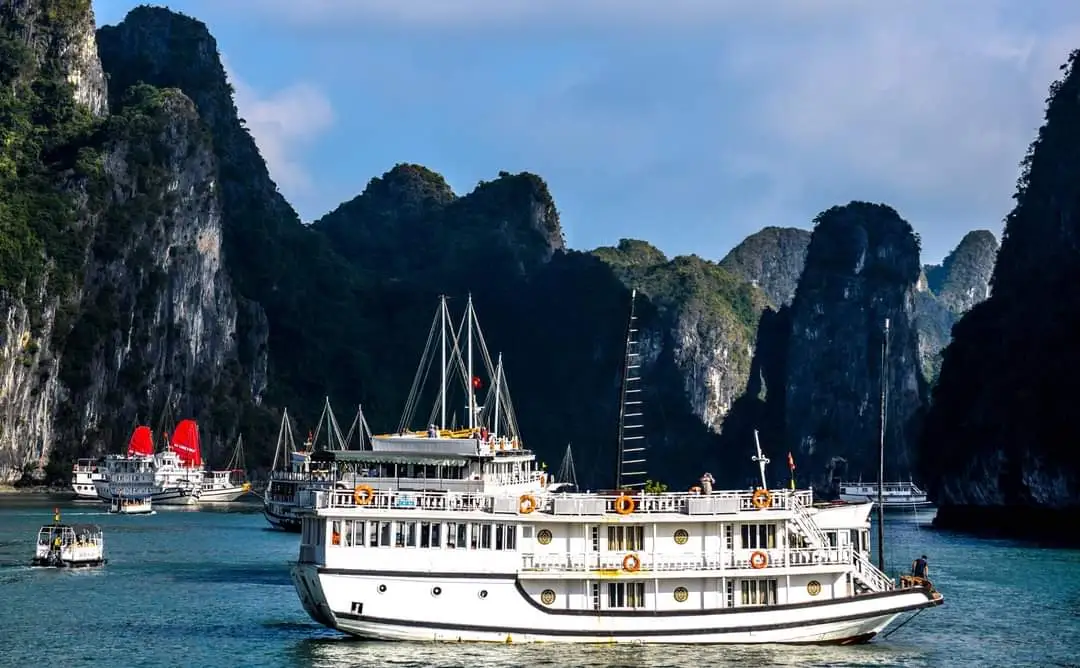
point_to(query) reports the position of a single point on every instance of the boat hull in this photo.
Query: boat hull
(281, 521)
(173, 496)
(45, 562)
(497, 609)
(222, 495)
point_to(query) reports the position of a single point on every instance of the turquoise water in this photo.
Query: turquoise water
(210, 588)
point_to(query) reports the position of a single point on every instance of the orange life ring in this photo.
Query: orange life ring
(759, 560)
(363, 495)
(526, 504)
(631, 563)
(761, 499)
(624, 505)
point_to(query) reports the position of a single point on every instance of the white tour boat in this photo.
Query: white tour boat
(228, 484)
(134, 504)
(281, 500)
(895, 495)
(84, 476)
(166, 476)
(455, 537)
(69, 545)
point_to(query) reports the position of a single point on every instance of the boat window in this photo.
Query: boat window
(384, 534)
(625, 538)
(626, 595)
(358, 529)
(729, 533)
(336, 533)
(485, 536)
(759, 592)
(373, 534)
(730, 593)
(346, 530)
(451, 535)
(399, 534)
(499, 536)
(758, 536)
(410, 534)
(831, 535)
(462, 534)
(436, 534)
(474, 537)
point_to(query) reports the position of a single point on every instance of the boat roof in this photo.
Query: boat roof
(388, 457)
(73, 527)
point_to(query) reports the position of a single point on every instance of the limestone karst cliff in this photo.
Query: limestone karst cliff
(998, 440)
(772, 259)
(861, 269)
(111, 281)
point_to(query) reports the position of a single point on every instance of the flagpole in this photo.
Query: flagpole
(791, 465)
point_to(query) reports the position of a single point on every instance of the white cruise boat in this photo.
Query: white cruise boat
(895, 495)
(228, 484)
(84, 476)
(165, 476)
(453, 538)
(281, 500)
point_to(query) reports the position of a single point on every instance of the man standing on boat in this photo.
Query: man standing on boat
(919, 568)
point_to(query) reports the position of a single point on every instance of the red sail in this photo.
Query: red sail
(142, 442)
(185, 443)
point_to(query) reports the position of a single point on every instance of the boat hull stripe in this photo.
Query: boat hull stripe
(930, 600)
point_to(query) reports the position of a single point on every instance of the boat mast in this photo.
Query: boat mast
(442, 387)
(761, 460)
(469, 380)
(567, 473)
(881, 449)
(498, 391)
(630, 409)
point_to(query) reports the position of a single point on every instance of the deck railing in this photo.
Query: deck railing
(560, 504)
(871, 575)
(689, 561)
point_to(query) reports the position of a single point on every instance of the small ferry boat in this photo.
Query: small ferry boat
(228, 484)
(896, 496)
(84, 476)
(453, 536)
(282, 498)
(134, 504)
(69, 545)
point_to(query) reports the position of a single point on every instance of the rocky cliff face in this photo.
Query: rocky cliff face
(999, 434)
(861, 269)
(771, 259)
(963, 279)
(113, 293)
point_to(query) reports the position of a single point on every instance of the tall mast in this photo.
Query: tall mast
(881, 450)
(442, 387)
(498, 391)
(631, 467)
(469, 380)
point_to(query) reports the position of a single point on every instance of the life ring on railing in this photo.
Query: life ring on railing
(761, 499)
(624, 505)
(526, 504)
(363, 495)
(631, 563)
(759, 560)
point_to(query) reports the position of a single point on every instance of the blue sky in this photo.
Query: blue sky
(688, 123)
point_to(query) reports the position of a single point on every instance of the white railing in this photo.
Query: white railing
(871, 575)
(686, 562)
(568, 504)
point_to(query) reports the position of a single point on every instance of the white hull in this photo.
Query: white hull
(85, 491)
(222, 495)
(408, 610)
(163, 497)
(889, 503)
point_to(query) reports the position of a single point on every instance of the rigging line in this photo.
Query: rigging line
(903, 624)
(406, 414)
(455, 355)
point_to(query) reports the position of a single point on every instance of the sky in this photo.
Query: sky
(688, 123)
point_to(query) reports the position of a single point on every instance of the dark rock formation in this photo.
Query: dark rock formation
(963, 279)
(998, 439)
(771, 259)
(861, 269)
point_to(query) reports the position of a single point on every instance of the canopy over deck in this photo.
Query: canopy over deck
(387, 457)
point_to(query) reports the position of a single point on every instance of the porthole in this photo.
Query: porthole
(382, 589)
(813, 587)
(681, 594)
(435, 591)
(543, 536)
(483, 593)
(681, 536)
(547, 597)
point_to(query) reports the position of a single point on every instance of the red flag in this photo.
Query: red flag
(476, 382)
(790, 462)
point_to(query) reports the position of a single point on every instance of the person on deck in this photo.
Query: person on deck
(919, 568)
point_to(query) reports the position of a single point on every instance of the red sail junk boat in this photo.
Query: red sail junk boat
(141, 442)
(185, 443)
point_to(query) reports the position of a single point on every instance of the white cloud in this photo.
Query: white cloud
(926, 105)
(283, 123)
